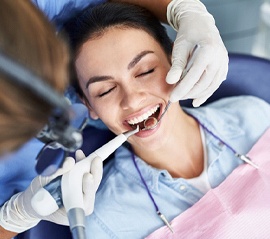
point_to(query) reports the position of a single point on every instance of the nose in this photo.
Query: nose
(132, 97)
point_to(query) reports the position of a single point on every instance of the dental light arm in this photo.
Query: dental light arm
(71, 188)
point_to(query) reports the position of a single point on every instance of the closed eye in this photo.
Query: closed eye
(106, 92)
(146, 73)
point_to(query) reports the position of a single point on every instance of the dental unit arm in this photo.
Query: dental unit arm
(66, 190)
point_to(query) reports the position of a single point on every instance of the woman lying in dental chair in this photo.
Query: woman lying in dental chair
(122, 55)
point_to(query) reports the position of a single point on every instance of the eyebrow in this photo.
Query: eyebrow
(96, 79)
(137, 58)
(133, 62)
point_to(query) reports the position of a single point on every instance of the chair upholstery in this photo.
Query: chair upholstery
(248, 75)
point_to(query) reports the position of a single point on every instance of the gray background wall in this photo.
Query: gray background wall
(241, 25)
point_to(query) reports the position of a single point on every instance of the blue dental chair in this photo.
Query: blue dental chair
(248, 75)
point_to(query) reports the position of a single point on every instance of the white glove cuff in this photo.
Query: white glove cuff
(12, 219)
(178, 8)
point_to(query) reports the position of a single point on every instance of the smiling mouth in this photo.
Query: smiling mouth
(154, 112)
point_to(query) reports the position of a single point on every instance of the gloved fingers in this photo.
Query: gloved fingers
(89, 193)
(199, 101)
(220, 74)
(79, 155)
(182, 89)
(211, 89)
(90, 185)
(97, 170)
(200, 86)
(180, 55)
(67, 166)
(174, 75)
(41, 181)
(59, 217)
(200, 75)
(203, 85)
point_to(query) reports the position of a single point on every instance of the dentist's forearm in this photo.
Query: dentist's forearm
(157, 7)
(4, 234)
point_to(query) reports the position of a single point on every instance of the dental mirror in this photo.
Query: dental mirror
(152, 122)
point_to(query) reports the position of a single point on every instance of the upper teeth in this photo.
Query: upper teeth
(143, 117)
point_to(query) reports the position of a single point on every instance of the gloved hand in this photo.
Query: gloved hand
(91, 181)
(17, 214)
(195, 26)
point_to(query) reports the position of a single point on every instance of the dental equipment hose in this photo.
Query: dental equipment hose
(67, 190)
(76, 217)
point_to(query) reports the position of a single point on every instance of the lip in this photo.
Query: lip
(141, 112)
(146, 133)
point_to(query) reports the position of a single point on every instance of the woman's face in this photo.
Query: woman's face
(122, 74)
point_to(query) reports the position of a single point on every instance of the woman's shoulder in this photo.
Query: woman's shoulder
(240, 115)
(245, 108)
(248, 102)
(242, 107)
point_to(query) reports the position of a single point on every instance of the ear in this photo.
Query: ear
(92, 113)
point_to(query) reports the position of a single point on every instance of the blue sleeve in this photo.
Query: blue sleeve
(59, 11)
(17, 169)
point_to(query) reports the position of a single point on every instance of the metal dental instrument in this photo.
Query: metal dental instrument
(247, 160)
(152, 122)
(67, 189)
(243, 157)
(164, 219)
(155, 122)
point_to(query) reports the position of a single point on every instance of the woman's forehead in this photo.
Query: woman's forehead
(116, 43)
(120, 37)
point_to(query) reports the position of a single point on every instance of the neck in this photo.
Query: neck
(182, 153)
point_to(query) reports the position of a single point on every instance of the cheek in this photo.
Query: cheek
(106, 112)
(162, 85)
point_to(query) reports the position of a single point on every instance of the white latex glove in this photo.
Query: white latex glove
(17, 214)
(195, 26)
(91, 181)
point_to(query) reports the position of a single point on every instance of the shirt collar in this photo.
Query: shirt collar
(124, 163)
